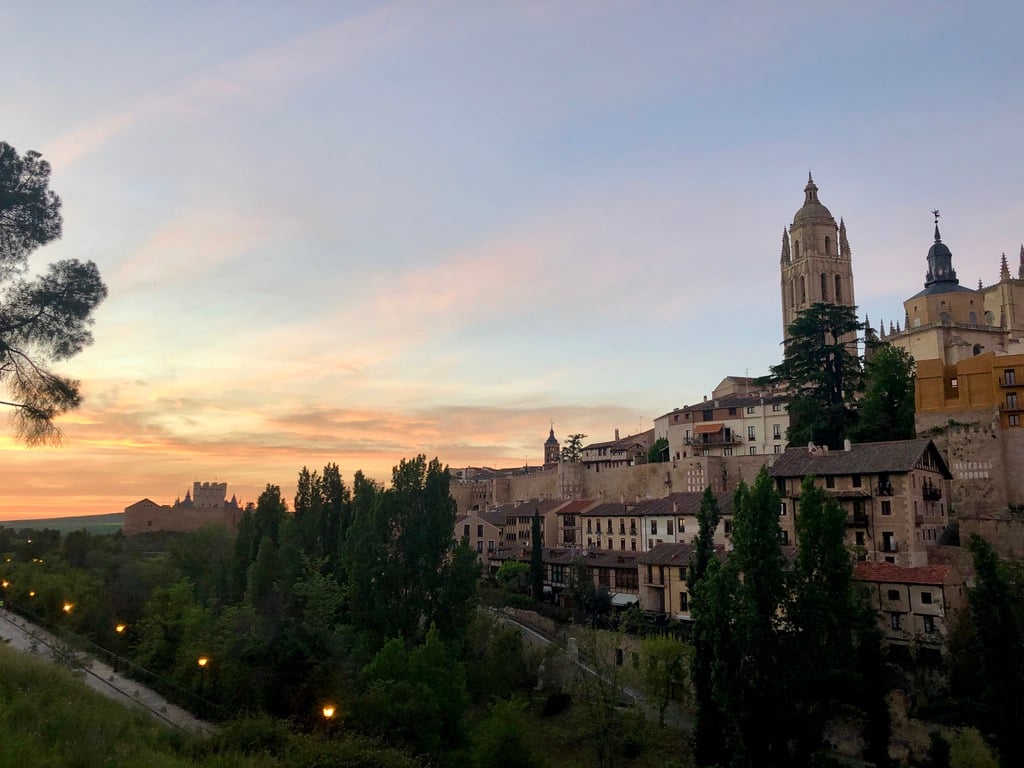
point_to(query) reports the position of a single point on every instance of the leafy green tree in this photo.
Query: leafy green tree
(740, 603)
(658, 452)
(1000, 665)
(968, 749)
(514, 576)
(824, 372)
(399, 558)
(886, 411)
(663, 662)
(502, 738)
(572, 451)
(709, 725)
(414, 696)
(823, 615)
(43, 320)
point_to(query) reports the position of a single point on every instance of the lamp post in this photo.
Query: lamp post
(202, 661)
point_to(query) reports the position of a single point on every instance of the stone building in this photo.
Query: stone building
(204, 505)
(740, 418)
(816, 262)
(950, 322)
(895, 495)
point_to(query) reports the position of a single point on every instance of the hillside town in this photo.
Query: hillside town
(630, 514)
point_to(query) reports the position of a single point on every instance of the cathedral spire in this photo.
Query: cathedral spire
(1020, 269)
(844, 244)
(940, 276)
(1004, 269)
(810, 191)
(785, 247)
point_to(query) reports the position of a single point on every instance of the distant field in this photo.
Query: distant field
(92, 523)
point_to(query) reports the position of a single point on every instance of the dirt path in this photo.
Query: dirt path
(27, 637)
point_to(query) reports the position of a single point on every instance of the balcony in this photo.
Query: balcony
(918, 519)
(857, 518)
(931, 492)
(890, 546)
(1011, 407)
(884, 489)
(1009, 380)
(709, 441)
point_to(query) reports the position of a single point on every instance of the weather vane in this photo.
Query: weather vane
(935, 213)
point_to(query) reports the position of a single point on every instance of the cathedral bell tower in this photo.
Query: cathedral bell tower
(816, 264)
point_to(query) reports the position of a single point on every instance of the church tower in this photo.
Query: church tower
(816, 264)
(552, 449)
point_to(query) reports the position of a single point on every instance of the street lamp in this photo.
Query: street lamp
(328, 711)
(202, 661)
(68, 607)
(120, 628)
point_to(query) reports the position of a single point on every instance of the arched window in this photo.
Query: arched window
(796, 249)
(803, 290)
(828, 246)
(824, 287)
(973, 318)
(944, 318)
(839, 289)
(792, 294)
(990, 318)
(977, 349)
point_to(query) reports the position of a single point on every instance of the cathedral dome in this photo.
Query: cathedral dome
(812, 210)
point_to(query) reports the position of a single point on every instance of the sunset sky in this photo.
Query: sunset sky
(352, 231)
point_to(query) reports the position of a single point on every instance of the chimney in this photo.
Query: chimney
(846, 445)
(675, 507)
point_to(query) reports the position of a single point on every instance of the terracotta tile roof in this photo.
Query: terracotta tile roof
(895, 574)
(686, 503)
(734, 400)
(862, 458)
(577, 506)
(667, 554)
(608, 509)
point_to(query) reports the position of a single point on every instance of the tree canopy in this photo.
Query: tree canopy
(886, 411)
(824, 371)
(572, 451)
(46, 318)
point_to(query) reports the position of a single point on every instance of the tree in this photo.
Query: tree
(663, 666)
(824, 373)
(536, 558)
(658, 453)
(403, 575)
(572, 451)
(886, 411)
(514, 577)
(1000, 665)
(709, 725)
(42, 320)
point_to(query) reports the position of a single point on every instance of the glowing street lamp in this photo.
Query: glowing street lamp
(120, 628)
(68, 607)
(202, 661)
(31, 593)
(328, 711)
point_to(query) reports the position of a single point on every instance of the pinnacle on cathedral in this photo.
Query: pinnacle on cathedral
(1004, 268)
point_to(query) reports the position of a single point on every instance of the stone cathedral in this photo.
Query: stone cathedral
(816, 264)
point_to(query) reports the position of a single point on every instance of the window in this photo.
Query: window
(654, 527)
(682, 573)
(830, 481)
(681, 525)
(828, 252)
(1011, 401)
(893, 594)
(776, 407)
(709, 415)
(728, 527)
(784, 538)
(611, 544)
(778, 449)
(859, 538)
(1013, 419)
(839, 290)
(886, 508)
(751, 434)
(824, 279)
(479, 531)
(465, 530)
(732, 411)
(926, 598)
(598, 526)
(895, 620)
(753, 450)
(782, 509)
(1009, 376)
(590, 526)
(776, 431)
(750, 409)
(490, 545)
(855, 481)
(632, 544)
(727, 451)
(622, 543)
(953, 383)
(668, 527)
(684, 603)
(929, 625)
